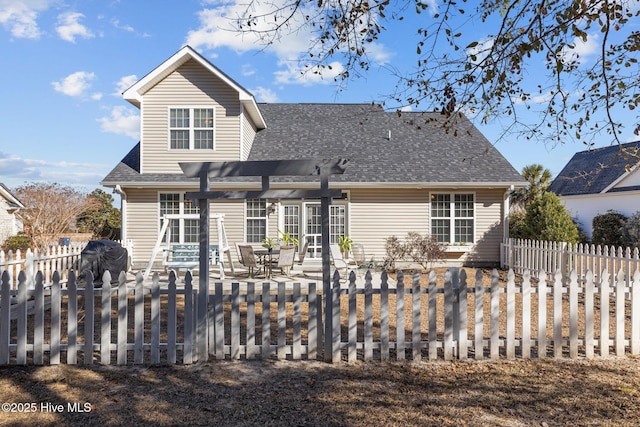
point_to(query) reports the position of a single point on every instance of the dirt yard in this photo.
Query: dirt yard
(520, 393)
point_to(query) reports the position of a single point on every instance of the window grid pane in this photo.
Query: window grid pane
(170, 204)
(180, 139)
(179, 118)
(463, 231)
(291, 219)
(440, 205)
(441, 230)
(256, 220)
(203, 139)
(452, 218)
(337, 223)
(203, 118)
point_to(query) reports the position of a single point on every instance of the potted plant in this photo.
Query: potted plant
(344, 242)
(270, 243)
(287, 239)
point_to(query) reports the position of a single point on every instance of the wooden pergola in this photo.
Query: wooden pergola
(206, 171)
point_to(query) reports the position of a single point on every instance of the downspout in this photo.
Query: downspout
(123, 210)
(505, 224)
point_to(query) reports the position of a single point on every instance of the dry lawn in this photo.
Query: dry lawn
(520, 393)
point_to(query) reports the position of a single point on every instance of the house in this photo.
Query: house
(10, 221)
(595, 181)
(405, 172)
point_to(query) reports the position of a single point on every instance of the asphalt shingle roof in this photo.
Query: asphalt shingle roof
(591, 171)
(382, 146)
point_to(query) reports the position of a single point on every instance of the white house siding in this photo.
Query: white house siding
(7, 221)
(376, 214)
(631, 180)
(586, 207)
(191, 85)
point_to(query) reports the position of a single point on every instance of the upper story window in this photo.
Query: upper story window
(191, 128)
(453, 217)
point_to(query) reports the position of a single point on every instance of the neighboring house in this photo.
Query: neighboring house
(10, 221)
(406, 173)
(598, 180)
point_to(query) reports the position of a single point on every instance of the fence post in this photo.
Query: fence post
(5, 317)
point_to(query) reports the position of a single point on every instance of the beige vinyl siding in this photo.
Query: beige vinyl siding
(248, 134)
(378, 214)
(191, 85)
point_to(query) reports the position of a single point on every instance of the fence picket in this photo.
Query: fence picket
(557, 314)
(604, 313)
(89, 312)
(5, 317)
(56, 301)
(38, 332)
(433, 327)
(384, 317)
(123, 317)
(511, 316)
(282, 322)
(463, 335)
(368, 320)
(314, 322)
(589, 315)
(494, 344)
(296, 352)
(635, 313)
(352, 324)
(542, 314)
(72, 319)
(573, 315)
(266, 321)
(155, 318)
(526, 315)
(479, 317)
(189, 319)
(105, 319)
(251, 321)
(448, 315)
(620, 314)
(400, 331)
(235, 321)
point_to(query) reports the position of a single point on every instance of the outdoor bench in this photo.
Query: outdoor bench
(187, 256)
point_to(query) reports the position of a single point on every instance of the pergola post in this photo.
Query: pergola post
(203, 282)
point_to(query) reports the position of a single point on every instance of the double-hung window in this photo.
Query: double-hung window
(453, 217)
(256, 220)
(181, 230)
(191, 128)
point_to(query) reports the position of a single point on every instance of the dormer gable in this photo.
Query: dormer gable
(136, 92)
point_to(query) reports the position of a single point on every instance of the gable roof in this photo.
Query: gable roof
(11, 199)
(595, 171)
(136, 92)
(383, 148)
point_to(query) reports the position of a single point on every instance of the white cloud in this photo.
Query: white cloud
(122, 121)
(69, 27)
(307, 76)
(479, 52)
(76, 84)
(125, 27)
(581, 49)
(248, 70)
(378, 53)
(17, 171)
(125, 83)
(265, 95)
(19, 17)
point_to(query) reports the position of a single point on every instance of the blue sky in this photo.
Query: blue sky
(66, 63)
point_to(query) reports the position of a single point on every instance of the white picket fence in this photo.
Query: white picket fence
(535, 255)
(47, 260)
(150, 323)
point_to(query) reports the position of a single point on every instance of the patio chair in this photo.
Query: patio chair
(339, 263)
(357, 249)
(248, 258)
(303, 253)
(285, 259)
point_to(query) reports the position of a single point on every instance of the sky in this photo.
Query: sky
(65, 64)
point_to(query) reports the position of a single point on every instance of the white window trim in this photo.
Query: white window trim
(453, 246)
(192, 129)
(246, 217)
(181, 212)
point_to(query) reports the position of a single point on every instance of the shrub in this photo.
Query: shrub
(517, 225)
(421, 249)
(20, 241)
(547, 219)
(609, 229)
(632, 231)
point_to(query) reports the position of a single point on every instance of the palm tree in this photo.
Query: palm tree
(539, 180)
